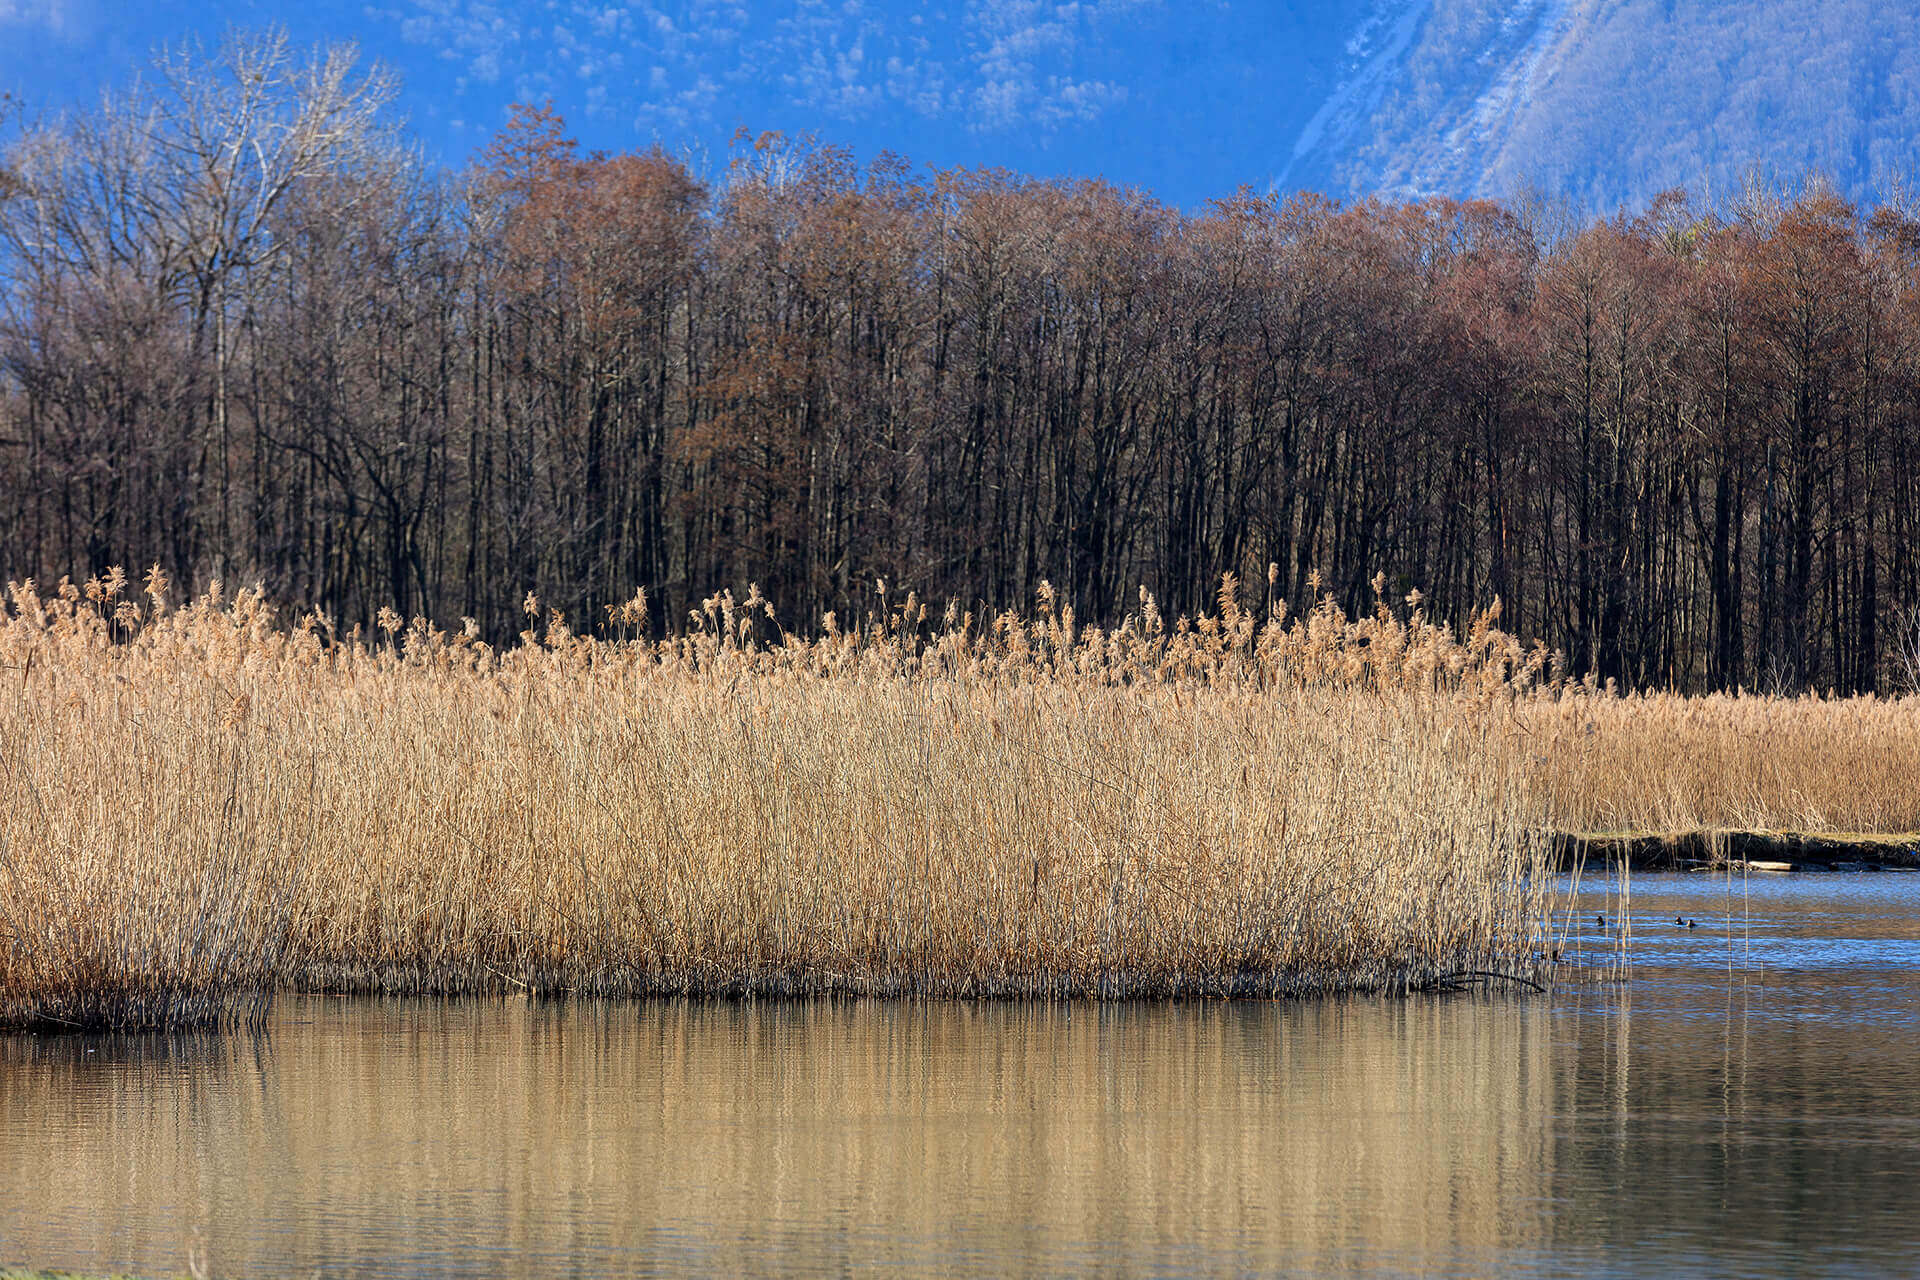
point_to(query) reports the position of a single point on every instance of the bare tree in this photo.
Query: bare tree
(176, 184)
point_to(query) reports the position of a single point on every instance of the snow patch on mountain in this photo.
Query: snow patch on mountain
(1608, 102)
(1376, 53)
(1523, 63)
(1471, 98)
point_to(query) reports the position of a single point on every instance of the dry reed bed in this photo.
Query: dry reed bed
(202, 807)
(1665, 764)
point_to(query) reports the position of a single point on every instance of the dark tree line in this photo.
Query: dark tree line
(244, 331)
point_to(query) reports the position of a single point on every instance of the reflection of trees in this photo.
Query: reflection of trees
(1762, 1125)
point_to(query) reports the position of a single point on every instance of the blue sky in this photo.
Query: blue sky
(1187, 98)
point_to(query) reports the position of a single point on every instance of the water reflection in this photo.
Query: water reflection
(1742, 1116)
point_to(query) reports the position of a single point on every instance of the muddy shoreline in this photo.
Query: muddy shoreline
(1756, 851)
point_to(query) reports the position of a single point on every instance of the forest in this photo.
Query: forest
(248, 332)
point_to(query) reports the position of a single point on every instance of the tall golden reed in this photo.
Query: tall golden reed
(200, 806)
(1665, 764)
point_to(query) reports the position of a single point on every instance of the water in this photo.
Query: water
(1745, 1108)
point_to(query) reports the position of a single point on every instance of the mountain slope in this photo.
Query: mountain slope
(1611, 101)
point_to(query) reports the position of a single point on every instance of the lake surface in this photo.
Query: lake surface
(1747, 1106)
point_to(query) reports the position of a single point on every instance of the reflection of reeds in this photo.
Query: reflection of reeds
(202, 807)
(803, 1137)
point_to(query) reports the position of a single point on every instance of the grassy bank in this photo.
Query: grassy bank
(202, 806)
